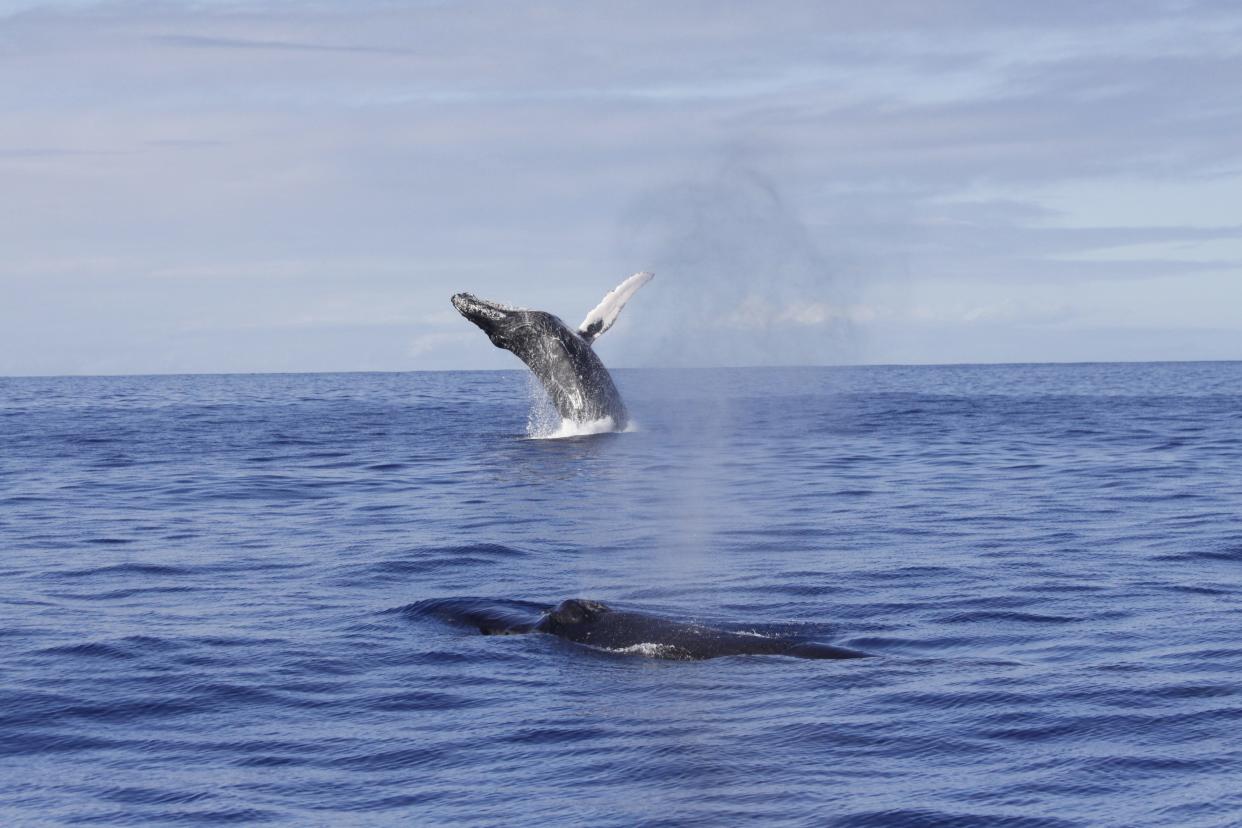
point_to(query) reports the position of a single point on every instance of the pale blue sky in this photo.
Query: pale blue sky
(297, 186)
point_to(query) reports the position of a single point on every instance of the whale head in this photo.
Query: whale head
(498, 321)
(573, 612)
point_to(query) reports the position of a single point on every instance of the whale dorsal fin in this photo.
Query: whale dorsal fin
(605, 313)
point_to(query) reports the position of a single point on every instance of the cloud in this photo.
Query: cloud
(541, 152)
(205, 42)
(427, 343)
(756, 314)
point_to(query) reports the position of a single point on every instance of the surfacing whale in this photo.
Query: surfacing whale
(563, 359)
(598, 625)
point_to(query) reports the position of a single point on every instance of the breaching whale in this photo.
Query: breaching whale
(598, 625)
(563, 359)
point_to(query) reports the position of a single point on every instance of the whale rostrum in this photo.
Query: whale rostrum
(562, 358)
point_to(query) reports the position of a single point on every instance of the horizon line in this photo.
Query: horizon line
(839, 365)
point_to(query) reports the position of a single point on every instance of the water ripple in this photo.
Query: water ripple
(237, 600)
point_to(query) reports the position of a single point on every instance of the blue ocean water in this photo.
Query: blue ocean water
(214, 591)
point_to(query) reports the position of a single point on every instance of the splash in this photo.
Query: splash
(544, 422)
(652, 650)
(575, 428)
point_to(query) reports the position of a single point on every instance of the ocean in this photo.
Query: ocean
(216, 590)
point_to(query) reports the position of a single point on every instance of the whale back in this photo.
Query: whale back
(598, 625)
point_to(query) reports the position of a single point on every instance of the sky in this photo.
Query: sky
(300, 186)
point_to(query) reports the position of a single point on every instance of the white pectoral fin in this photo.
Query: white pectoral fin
(605, 313)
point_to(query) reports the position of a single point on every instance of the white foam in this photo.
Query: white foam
(561, 429)
(652, 650)
(574, 428)
(543, 422)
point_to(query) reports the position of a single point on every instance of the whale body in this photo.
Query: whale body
(598, 625)
(562, 358)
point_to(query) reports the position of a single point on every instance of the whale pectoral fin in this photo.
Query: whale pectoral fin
(605, 313)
